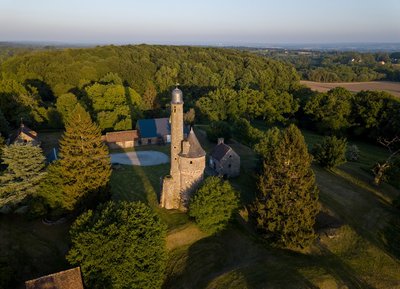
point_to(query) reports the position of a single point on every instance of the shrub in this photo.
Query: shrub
(353, 153)
(213, 204)
(331, 152)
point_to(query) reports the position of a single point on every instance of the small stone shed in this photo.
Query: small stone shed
(224, 160)
(24, 135)
(121, 139)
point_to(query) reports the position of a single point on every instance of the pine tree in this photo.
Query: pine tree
(25, 170)
(84, 162)
(287, 201)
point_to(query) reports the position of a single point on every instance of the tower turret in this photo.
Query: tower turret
(187, 160)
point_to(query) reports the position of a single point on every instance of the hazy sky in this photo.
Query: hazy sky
(200, 21)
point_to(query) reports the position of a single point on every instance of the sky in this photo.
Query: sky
(215, 22)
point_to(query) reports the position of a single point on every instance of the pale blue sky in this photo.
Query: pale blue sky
(201, 21)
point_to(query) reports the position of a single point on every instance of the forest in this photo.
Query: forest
(120, 84)
(308, 158)
(339, 66)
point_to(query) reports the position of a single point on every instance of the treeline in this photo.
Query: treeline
(340, 66)
(119, 84)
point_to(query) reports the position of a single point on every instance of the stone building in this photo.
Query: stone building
(121, 139)
(24, 135)
(154, 131)
(188, 160)
(224, 160)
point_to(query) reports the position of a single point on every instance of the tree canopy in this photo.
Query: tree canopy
(287, 201)
(83, 169)
(25, 170)
(213, 204)
(119, 246)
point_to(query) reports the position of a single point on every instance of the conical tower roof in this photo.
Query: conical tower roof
(195, 149)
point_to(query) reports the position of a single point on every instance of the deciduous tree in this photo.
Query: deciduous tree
(119, 246)
(213, 204)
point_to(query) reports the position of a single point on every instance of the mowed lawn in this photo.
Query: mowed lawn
(360, 254)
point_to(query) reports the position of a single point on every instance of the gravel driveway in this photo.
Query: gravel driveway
(140, 158)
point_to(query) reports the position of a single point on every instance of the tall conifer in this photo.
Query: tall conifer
(84, 163)
(25, 170)
(287, 202)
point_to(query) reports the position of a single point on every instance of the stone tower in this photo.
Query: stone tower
(188, 160)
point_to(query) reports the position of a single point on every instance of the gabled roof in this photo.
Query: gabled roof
(155, 127)
(23, 129)
(121, 136)
(68, 279)
(195, 149)
(220, 151)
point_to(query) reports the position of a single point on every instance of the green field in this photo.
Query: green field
(364, 252)
(357, 255)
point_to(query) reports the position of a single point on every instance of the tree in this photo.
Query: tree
(84, 163)
(213, 204)
(331, 152)
(189, 116)
(118, 246)
(65, 105)
(25, 170)
(4, 127)
(219, 129)
(381, 168)
(332, 110)
(287, 202)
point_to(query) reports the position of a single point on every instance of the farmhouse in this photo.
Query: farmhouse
(24, 135)
(121, 139)
(68, 279)
(224, 160)
(154, 131)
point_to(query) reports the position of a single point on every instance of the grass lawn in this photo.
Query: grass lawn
(363, 253)
(32, 247)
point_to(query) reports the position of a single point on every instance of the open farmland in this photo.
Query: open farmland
(391, 87)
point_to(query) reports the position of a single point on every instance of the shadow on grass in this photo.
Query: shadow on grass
(136, 183)
(233, 259)
(391, 236)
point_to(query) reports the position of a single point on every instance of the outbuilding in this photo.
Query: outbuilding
(224, 160)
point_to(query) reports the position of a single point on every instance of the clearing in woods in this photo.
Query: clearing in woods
(390, 87)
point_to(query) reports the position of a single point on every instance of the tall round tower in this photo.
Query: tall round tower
(176, 130)
(187, 161)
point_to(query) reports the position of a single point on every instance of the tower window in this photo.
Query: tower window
(191, 162)
(229, 165)
(174, 109)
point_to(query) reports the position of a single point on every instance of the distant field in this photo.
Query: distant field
(391, 87)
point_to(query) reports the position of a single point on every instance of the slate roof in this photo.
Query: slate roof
(25, 130)
(155, 127)
(195, 149)
(68, 279)
(121, 136)
(220, 151)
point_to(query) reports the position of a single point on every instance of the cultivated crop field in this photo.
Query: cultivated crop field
(391, 87)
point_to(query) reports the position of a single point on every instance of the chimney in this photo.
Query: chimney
(220, 140)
